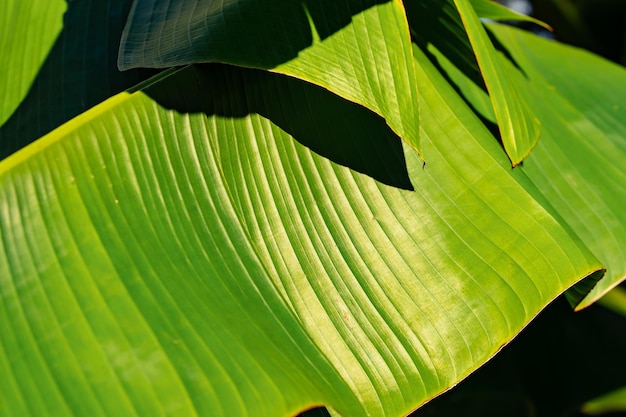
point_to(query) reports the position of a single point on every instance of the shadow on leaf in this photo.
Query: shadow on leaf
(251, 33)
(345, 133)
(79, 72)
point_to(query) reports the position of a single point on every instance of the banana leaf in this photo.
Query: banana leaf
(174, 252)
(223, 240)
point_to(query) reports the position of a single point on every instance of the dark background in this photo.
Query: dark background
(596, 25)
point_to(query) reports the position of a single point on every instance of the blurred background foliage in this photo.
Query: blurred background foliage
(596, 25)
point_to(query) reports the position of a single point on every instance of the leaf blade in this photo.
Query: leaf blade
(225, 273)
(519, 127)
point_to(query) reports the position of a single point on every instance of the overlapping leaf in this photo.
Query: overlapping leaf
(169, 252)
(439, 29)
(27, 32)
(578, 165)
(519, 127)
(360, 50)
(436, 25)
(79, 71)
(491, 10)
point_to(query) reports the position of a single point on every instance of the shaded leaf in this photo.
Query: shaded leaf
(558, 363)
(79, 72)
(23, 48)
(615, 400)
(360, 50)
(489, 9)
(437, 23)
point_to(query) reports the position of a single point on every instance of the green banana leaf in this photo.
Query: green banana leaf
(613, 402)
(223, 241)
(175, 251)
(360, 50)
(24, 49)
(438, 24)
